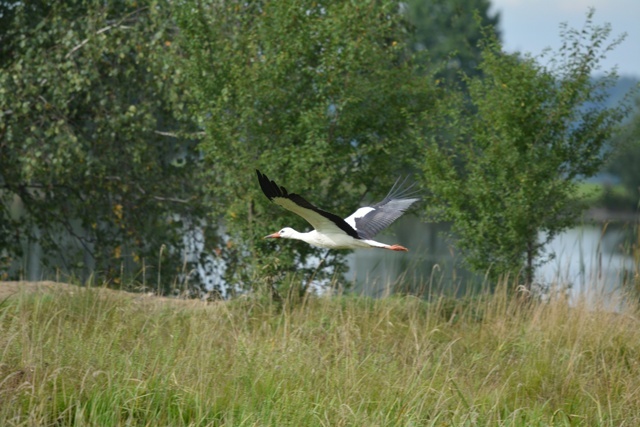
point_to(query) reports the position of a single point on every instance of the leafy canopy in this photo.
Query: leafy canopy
(451, 30)
(96, 156)
(321, 96)
(625, 161)
(504, 162)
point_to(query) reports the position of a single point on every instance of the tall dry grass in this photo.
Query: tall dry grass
(95, 358)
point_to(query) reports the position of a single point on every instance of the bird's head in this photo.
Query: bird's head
(285, 233)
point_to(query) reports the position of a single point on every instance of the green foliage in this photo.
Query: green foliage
(320, 96)
(451, 30)
(624, 163)
(506, 160)
(97, 154)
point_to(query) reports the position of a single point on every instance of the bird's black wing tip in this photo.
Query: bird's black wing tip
(269, 187)
(261, 177)
(265, 184)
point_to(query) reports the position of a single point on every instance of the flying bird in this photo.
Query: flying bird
(333, 232)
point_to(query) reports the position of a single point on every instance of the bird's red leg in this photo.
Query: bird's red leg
(398, 248)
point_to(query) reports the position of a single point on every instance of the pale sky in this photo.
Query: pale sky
(532, 25)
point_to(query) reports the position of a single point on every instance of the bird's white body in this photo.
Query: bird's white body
(330, 240)
(333, 232)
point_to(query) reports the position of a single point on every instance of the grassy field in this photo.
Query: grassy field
(614, 197)
(101, 358)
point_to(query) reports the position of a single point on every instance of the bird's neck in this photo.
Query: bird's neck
(299, 236)
(305, 237)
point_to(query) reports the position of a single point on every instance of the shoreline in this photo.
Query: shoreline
(608, 215)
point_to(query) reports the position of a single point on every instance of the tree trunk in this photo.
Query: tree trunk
(529, 266)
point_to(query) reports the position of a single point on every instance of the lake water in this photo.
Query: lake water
(589, 261)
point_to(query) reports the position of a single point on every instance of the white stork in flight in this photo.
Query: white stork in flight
(333, 232)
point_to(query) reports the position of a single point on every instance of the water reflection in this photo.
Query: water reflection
(430, 266)
(589, 260)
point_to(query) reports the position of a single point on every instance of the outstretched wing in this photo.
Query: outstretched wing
(324, 222)
(369, 221)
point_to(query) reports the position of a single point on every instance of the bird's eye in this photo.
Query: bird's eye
(282, 231)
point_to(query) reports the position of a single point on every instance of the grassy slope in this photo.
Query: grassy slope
(96, 358)
(593, 192)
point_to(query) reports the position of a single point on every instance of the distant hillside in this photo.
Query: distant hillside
(617, 92)
(624, 85)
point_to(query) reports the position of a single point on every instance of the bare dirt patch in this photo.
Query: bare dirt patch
(10, 289)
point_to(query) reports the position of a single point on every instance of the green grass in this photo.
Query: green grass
(591, 192)
(99, 358)
(615, 197)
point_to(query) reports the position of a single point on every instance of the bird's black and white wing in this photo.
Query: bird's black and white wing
(369, 221)
(324, 222)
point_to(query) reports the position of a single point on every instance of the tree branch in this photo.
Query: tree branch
(173, 199)
(103, 30)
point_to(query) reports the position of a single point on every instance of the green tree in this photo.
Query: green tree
(625, 162)
(450, 30)
(506, 160)
(97, 158)
(321, 96)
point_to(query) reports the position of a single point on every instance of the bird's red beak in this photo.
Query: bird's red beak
(275, 235)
